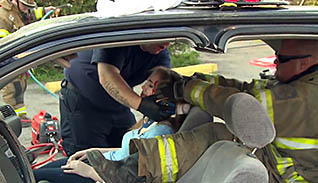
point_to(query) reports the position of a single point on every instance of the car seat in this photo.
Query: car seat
(235, 162)
(14, 165)
(195, 118)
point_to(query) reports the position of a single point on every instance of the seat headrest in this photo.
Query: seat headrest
(248, 120)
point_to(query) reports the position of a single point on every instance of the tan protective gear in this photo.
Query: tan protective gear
(10, 21)
(292, 157)
(10, 18)
(13, 94)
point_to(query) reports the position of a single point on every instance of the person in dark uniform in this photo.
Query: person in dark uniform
(97, 93)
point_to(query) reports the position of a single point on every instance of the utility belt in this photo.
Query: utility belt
(68, 85)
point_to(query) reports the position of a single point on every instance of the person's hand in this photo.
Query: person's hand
(80, 168)
(49, 8)
(155, 109)
(80, 155)
(165, 90)
(172, 90)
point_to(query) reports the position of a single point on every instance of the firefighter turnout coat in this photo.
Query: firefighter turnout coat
(11, 19)
(292, 157)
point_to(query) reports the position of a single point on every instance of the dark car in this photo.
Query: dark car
(207, 27)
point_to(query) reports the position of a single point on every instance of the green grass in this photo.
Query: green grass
(181, 55)
(48, 72)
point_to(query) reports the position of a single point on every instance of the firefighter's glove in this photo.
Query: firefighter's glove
(173, 91)
(155, 110)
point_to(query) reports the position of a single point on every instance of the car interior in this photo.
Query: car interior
(15, 166)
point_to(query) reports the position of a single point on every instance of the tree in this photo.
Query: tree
(79, 6)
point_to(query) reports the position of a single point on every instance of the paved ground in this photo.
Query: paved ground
(235, 64)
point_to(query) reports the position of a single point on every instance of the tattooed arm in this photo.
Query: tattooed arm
(116, 86)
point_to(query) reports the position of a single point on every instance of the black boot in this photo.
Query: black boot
(124, 171)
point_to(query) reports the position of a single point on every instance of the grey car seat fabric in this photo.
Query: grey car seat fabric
(2, 179)
(226, 162)
(195, 118)
(232, 162)
(248, 120)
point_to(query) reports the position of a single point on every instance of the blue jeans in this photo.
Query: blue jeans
(53, 173)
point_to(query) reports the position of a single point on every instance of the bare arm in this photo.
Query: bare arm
(116, 86)
(82, 169)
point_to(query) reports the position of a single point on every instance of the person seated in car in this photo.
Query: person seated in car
(98, 88)
(290, 101)
(74, 170)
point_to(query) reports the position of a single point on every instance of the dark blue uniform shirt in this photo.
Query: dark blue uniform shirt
(133, 63)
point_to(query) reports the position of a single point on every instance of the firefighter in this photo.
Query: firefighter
(14, 15)
(290, 101)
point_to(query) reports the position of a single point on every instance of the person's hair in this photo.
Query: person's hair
(165, 75)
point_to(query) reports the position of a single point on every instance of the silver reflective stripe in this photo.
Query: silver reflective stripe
(292, 144)
(168, 160)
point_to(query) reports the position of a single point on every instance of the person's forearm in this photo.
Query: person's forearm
(116, 86)
(94, 175)
(209, 97)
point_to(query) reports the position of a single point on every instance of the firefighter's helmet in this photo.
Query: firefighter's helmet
(28, 3)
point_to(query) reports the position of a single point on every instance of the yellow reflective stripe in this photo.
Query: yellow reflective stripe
(197, 94)
(162, 153)
(283, 163)
(264, 96)
(209, 78)
(20, 111)
(4, 33)
(168, 157)
(269, 101)
(256, 89)
(38, 12)
(216, 80)
(296, 143)
(295, 177)
(212, 79)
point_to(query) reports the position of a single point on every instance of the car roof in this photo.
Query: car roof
(182, 16)
(208, 28)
